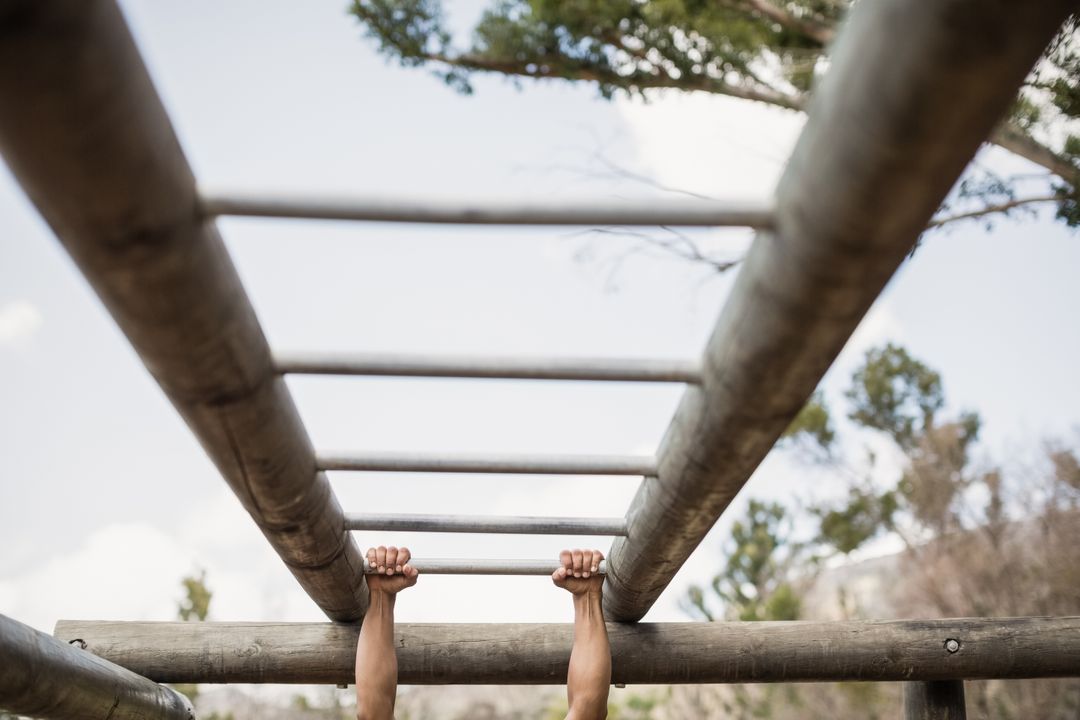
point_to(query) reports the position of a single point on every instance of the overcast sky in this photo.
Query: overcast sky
(107, 501)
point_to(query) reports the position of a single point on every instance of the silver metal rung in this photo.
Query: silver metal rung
(484, 567)
(511, 368)
(487, 524)
(510, 464)
(670, 211)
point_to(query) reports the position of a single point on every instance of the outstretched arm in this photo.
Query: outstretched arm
(376, 660)
(589, 678)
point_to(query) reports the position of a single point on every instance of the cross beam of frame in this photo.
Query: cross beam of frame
(85, 133)
(912, 90)
(909, 650)
(43, 677)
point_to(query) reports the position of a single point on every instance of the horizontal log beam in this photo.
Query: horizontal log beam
(913, 88)
(86, 135)
(675, 212)
(644, 653)
(488, 463)
(509, 524)
(486, 367)
(43, 677)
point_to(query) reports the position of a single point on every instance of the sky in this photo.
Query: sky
(107, 501)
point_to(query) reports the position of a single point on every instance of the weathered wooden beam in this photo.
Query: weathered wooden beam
(913, 88)
(643, 653)
(937, 700)
(84, 131)
(45, 678)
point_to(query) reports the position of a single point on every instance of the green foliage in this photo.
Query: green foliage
(194, 607)
(813, 423)
(974, 547)
(1069, 198)
(896, 394)
(864, 515)
(768, 51)
(754, 584)
(197, 603)
(409, 31)
(620, 45)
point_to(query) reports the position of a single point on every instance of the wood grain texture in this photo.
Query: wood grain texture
(913, 89)
(46, 678)
(84, 132)
(940, 700)
(643, 653)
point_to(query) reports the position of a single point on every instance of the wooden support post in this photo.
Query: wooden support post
(940, 700)
(85, 133)
(912, 90)
(507, 654)
(46, 678)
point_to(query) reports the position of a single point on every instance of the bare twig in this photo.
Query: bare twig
(679, 245)
(1018, 142)
(991, 209)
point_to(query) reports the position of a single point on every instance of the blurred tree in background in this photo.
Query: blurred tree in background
(978, 539)
(194, 607)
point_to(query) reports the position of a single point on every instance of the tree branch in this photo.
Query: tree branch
(1016, 141)
(553, 70)
(679, 245)
(991, 209)
(814, 30)
(1008, 135)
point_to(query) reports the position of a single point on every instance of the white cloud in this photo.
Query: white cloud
(124, 571)
(132, 571)
(18, 320)
(717, 146)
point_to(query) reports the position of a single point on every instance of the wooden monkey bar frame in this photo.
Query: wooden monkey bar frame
(889, 131)
(538, 653)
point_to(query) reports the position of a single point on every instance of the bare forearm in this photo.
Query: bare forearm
(376, 661)
(589, 679)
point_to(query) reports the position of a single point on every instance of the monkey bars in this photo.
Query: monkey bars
(889, 131)
(701, 213)
(489, 463)
(407, 522)
(442, 566)
(506, 368)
